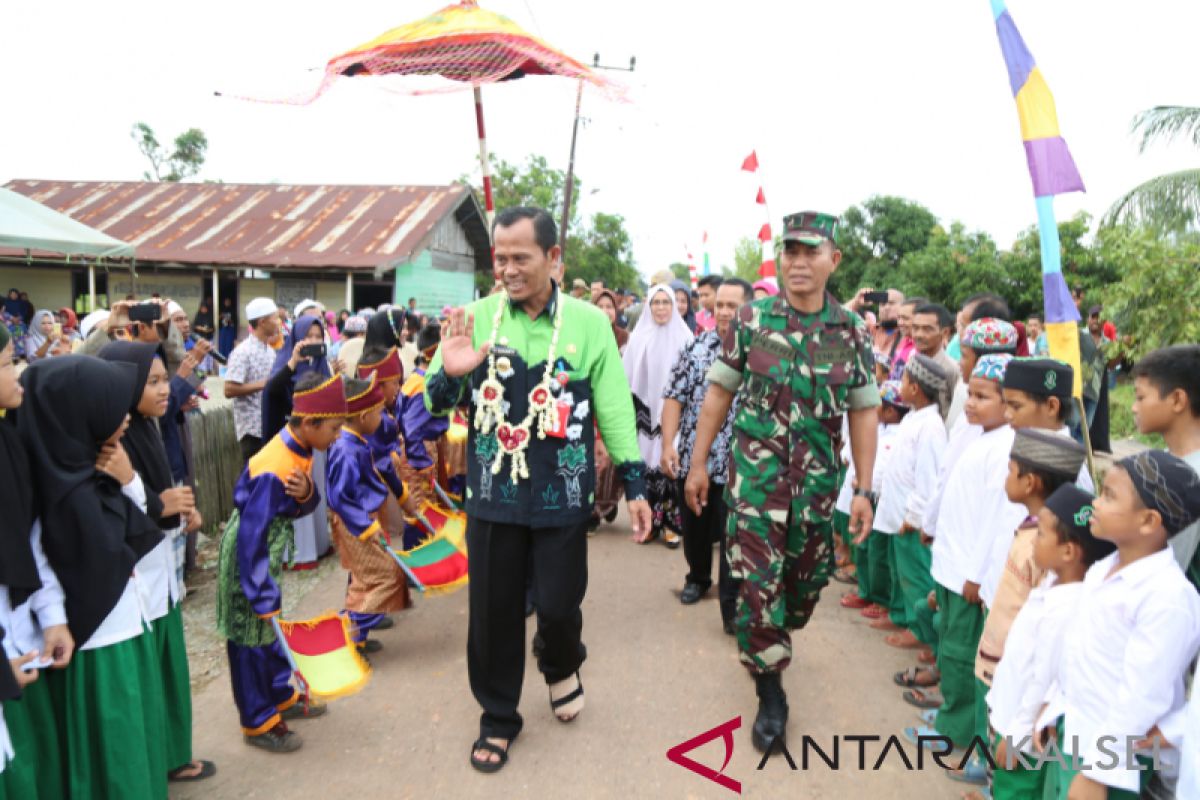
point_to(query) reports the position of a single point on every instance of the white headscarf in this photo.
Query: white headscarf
(648, 359)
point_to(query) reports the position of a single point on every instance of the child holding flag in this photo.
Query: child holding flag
(275, 487)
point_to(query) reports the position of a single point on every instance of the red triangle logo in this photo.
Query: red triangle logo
(725, 731)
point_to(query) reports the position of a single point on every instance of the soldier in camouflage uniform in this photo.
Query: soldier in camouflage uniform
(797, 362)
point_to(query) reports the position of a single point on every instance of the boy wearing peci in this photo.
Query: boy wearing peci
(275, 487)
(1138, 629)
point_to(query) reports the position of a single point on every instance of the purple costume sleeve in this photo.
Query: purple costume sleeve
(384, 442)
(356, 490)
(420, 426)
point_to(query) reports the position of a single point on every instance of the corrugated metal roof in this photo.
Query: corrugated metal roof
(264, 225)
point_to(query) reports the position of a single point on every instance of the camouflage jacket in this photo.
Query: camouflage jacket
(795, 375)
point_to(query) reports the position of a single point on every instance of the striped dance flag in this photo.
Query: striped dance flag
(1053, 172)
(322, 653)
(438, 564)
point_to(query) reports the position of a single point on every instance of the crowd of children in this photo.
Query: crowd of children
(1055, 630)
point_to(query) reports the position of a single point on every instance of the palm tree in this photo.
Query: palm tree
(1169, 202)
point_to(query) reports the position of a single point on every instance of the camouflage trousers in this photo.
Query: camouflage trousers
(782, 568)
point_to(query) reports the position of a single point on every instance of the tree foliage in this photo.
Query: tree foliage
(875, 237)
(601, 249)
(1154, 303)
(747, 258)
(1168, 203)
(184, 162)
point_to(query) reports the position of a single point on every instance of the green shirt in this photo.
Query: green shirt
(560, 489)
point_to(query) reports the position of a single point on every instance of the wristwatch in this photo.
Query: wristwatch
(867, 493)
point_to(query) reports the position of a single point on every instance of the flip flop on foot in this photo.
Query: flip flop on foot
(193, 771)
(975, 773)
(928, 716)
(566, 698)
(926, 656)
(917, 676)
(885, 624)
(846, 575)
(923, 698)
(905, 640)
(490, 755)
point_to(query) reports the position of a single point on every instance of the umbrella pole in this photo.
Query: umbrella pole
(489, 204)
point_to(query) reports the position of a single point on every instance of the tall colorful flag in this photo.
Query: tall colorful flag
(707, 268)
(766, 242)
(1053, 172)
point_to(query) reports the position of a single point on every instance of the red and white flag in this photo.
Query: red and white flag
(751, 162)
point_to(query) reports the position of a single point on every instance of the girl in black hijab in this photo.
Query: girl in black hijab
(109, 700)
(160, 571)
(31, 611)
(385, 330)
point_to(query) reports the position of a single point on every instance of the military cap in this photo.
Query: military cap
(810, 227)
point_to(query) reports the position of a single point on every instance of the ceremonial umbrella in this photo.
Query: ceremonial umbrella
(465, 43)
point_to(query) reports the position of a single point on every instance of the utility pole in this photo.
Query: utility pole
(569, 187)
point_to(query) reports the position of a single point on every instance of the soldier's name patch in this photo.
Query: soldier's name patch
(831, 354)
(772, 344)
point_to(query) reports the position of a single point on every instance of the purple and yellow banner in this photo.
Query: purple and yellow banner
(1053, 172)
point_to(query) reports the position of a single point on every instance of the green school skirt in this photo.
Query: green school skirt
(177, 686)
(109, 703)
(35, 772)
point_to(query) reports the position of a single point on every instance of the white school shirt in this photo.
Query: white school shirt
(1183, 544)
(958, 400)
(975, 511)
(962, 433)
(128, 618)
(1185, 737)
(1124, 660)
(883, 452)
(44, 608)
(1025, 676)
(1002, 544)
(158, 579)
(911, 476)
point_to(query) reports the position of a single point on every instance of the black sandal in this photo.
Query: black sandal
(490, 766)
(570, 698)
(207, 770)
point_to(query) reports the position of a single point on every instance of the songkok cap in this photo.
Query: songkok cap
(1073, 507)
(1048, 451)
(387, 368)
(810, 227)
(1167, 485)
(369, 399)
(989, 335)
(927, 372)
(325, 400)
(1045, 377)
(992, 367)
(260, 307)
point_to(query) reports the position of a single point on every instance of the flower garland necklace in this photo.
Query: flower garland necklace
(513, 439)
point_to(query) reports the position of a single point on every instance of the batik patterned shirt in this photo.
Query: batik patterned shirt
(687, 386)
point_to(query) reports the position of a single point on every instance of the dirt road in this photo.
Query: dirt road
(658, 674)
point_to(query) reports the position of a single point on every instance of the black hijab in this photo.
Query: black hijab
(385, 329)
(92, 533)
(18, 570)
(143, 441)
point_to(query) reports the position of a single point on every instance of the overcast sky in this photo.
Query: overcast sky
(841, 100)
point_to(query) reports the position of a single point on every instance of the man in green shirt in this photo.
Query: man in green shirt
(540, 370)
(797, 363)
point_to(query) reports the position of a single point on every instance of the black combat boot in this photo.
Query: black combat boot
(771, 723)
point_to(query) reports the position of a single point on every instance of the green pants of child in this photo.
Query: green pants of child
(1059, 775)
(958, 639)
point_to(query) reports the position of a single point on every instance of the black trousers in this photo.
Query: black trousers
(250, 446)
(500, 557)
(699, 535)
